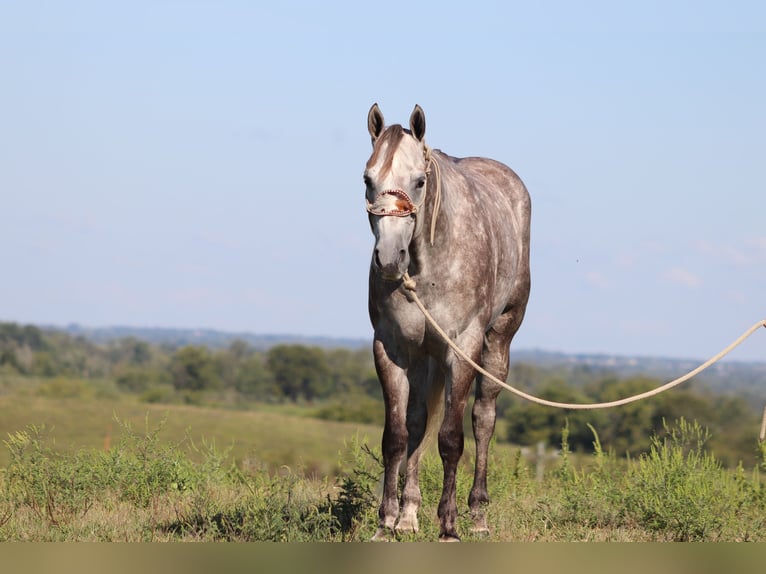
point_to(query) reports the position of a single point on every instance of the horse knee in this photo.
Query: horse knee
(483, 417)
(451, 445)
(394, 443)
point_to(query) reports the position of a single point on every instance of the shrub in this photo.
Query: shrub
(159, 394)
(358, 410)
(65, 388)
(354, 507)
(680, 488)
(55, 487)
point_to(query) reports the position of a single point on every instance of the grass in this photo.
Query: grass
(190, 473)
(82, 415)
(146, 488)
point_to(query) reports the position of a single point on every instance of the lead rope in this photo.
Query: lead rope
(409, 284)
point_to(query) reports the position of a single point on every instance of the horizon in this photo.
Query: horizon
(360, 342)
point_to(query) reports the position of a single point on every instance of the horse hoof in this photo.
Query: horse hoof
(480, 525)
(449, 538)
(407, 527)
(381, 535)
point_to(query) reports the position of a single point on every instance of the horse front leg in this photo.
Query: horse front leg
(393, 380)
(426, 386)
(451, 436)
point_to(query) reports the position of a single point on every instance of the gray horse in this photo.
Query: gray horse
(459, 227)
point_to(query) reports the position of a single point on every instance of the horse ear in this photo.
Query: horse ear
(418, 123)
(375, 122)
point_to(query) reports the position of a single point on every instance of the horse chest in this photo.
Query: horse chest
(400, 317)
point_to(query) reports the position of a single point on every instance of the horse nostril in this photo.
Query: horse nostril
(402, 254)
(377, 259)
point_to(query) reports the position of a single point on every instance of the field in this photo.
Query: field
(81, 463)
(80, 415)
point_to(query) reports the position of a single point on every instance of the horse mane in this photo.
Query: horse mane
(392, 136)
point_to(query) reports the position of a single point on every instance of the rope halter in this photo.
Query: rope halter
(393, 202)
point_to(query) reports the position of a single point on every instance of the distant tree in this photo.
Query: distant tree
(531, 423)
(44, 364)
(12, 334)
(8, 358)
(299, 371)
(230, 361)
(255, 380)
(133, 380)
(627, 428)
(352, 371)
(523, 376)
(192, 368)
(18, 346)
(130, 351)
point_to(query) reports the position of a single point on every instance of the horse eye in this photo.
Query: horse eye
(420, 183)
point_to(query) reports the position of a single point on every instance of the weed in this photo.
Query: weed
(56, 488)
(591, 495)
(680, 488)
(356, 501)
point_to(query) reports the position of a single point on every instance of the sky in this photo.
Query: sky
(199, 164)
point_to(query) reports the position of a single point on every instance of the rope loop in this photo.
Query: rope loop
(409, 284)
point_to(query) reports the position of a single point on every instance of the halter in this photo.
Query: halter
(403, 205)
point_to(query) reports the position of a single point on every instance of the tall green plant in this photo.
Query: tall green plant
(55, 487)
(680, 488)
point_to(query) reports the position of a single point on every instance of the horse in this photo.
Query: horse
(457, 230)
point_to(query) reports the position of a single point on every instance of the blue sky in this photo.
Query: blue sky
(198, 164)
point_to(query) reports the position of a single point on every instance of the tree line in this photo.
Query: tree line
(343, 385)
(281, 373)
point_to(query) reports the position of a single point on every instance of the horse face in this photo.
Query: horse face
(395, 189)
(391, 256)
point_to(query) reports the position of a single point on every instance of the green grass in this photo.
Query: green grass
(80, 415)
(80, 462)
(146, 488)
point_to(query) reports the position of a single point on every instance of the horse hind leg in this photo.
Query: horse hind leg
(495, 360)
(483, 419)
(451, 438)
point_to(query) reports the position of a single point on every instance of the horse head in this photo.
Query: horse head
(395, 181)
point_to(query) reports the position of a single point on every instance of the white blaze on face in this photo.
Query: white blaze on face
(399, 171)
(393, 236)
(408, 159)
(398, 165)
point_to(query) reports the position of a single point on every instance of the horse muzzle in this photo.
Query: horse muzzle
(393, 233)
(391, 266)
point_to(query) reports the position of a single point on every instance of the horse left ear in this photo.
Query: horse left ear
(418, 123)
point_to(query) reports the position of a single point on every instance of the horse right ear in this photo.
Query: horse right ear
(418, 123)
(375, 122)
